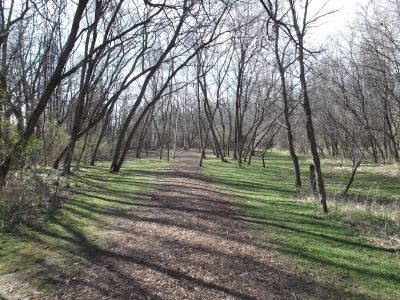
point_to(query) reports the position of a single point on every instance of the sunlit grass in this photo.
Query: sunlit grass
(65, 239)
(379, 182)
(344, 262)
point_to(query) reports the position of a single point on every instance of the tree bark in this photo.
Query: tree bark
(54, 81)
(286, 113)
(307, 107)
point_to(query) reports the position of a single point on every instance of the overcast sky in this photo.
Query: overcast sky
(336, 22)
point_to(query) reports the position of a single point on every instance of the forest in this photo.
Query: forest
(199, 149)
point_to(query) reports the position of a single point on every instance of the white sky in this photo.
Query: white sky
(335, 23)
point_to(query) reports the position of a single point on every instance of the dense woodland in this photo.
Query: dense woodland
(102, 80)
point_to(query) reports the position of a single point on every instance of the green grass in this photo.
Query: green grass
(342, 261)
(373, 182)
(372, 207)
(339, 259)
(65, 240)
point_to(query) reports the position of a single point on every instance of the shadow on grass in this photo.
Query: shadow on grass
(265, 199)
(75, 233)
(67, 236)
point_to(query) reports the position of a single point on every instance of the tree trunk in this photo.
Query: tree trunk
(54, 81)
(176, 134)
(286, 112)
(313, 180)
(99, 140)
(310, 127)
(351, 179)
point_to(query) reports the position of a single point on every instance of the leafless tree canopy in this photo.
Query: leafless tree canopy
(91, 79)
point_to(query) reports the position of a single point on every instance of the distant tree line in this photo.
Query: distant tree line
(109, 80)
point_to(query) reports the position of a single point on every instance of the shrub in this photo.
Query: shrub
(28, 195)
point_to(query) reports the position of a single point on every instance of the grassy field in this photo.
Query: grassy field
(62, 242)
(340, 259)
(374, 182)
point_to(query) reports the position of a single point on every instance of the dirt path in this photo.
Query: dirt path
(186, 242)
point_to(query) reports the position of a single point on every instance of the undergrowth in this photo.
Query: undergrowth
(62, 242)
